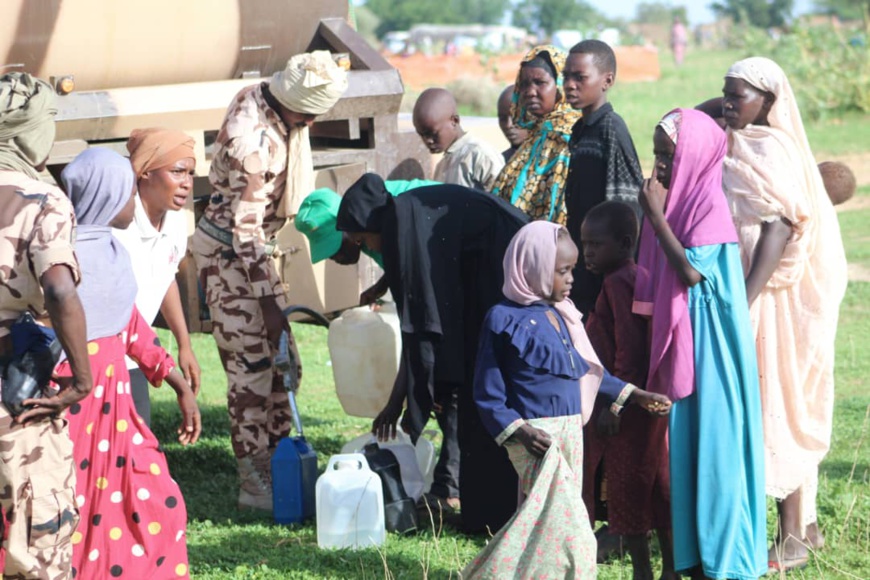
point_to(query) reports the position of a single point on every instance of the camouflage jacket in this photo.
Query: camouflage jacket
(248, 173)
(36, 232)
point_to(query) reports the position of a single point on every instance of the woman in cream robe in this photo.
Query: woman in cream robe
(796, 277)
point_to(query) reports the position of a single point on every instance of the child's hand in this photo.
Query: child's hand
(191, 422)
(653, 197)
(652, 402)
(608, 424)
(536, 441)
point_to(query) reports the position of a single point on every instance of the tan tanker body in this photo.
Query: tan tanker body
(139, 63)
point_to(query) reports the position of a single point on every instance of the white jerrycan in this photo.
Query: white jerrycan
(350, 504)
(365, 347)
(416, 463)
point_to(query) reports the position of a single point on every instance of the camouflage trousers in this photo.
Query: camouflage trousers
(37, 498)
(257, 402)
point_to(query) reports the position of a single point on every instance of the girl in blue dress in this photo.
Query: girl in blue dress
(702, 353)
(535, 384)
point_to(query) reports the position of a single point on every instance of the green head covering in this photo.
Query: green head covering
(316, 219)
(27, 111)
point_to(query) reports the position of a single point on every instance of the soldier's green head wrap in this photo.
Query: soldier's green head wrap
(27, 110)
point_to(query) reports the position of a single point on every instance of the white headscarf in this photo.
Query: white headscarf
(310, 84)
(771, 172)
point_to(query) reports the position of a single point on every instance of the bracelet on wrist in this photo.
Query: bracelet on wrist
(617, 405)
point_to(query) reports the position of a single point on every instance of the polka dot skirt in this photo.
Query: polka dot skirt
(133, 516)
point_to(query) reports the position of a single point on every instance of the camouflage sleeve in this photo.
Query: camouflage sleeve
(52, 242)
(247, 163)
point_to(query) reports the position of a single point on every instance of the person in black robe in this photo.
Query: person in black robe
(442, 248)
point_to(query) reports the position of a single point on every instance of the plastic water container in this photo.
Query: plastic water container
(365, 347)
(417, 463)
(350, 504)
(294, 477)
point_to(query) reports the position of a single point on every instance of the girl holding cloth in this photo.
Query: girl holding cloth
(535, 385)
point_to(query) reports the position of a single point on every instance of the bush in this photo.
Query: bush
(476, 96)
(829, 69)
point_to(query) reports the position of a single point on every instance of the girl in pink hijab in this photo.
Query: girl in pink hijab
(535, 385)
(702, 353)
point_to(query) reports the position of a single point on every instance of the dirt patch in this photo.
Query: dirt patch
(859, 273)
(636, 63)
(856, 203)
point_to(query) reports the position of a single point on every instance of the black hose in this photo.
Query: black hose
(317, 318)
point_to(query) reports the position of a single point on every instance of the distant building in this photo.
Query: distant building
(453, 39)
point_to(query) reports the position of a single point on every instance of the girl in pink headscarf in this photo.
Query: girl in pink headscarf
(702, 353)
(535, 385)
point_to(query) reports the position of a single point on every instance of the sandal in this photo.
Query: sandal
(786, 565)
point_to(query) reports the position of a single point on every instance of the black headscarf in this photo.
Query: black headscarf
(362, 207)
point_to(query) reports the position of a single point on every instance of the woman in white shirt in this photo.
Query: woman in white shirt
(164, 163)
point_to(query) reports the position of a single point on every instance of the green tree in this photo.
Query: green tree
(480, 11)
(367, 24)
(658, 13)
(551, 15)
(760, 13)
(845, 9)
(403, 14)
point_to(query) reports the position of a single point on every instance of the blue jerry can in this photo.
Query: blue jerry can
(294, 480)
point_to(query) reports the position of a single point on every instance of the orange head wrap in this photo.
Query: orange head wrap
(155, 148)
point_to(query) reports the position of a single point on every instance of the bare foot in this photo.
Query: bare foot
(814, 536)
(789, 555)
(609, 545)
(671, 575)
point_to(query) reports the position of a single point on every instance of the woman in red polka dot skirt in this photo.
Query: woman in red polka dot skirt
(133, 517)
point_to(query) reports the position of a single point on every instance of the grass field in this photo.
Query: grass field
(225, 543)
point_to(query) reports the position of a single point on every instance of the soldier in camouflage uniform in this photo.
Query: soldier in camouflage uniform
(260, 171)
(38, 274)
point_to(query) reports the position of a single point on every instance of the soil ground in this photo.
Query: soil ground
(636, 63)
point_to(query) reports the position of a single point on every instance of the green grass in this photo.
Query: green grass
(224, 543)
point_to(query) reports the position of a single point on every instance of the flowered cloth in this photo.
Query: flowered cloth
(534, 178)
(549, 536)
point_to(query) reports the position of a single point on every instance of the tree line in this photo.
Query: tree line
(549, 15)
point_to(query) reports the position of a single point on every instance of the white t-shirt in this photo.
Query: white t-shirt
(156, 255)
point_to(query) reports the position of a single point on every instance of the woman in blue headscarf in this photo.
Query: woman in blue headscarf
(132, 512)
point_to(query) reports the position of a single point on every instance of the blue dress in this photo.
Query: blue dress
(526, 369)
(716, 440)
